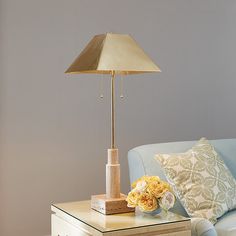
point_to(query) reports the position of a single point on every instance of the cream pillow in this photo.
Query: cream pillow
(201, 180)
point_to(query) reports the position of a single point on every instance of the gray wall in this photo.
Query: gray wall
(55, 129)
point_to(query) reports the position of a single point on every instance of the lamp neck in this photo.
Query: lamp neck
(113, 109)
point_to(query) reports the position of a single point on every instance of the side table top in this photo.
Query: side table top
(106, 223)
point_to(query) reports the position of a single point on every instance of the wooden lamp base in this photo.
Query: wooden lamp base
(113, 201)
(110, 206)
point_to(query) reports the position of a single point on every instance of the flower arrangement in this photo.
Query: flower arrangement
(150, 193)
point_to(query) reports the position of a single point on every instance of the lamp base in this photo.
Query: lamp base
(110, 206)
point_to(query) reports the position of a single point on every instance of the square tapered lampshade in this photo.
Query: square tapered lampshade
(112, 52)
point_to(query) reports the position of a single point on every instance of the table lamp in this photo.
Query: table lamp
(114, 54)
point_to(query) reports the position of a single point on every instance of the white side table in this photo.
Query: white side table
(78, 219)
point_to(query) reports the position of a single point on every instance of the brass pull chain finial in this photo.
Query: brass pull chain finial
(101, 86)
(121, 86)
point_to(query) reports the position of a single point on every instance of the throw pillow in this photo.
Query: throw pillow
(201, 180)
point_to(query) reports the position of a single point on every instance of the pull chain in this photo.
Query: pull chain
(121, 86)
(101, 87)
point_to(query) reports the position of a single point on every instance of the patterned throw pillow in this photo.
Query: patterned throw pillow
(201, 181)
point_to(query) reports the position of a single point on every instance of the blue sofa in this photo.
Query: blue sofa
(141, 162)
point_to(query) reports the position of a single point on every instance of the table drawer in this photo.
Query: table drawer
(61, 227)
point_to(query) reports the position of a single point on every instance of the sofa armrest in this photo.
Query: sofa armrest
(136, 166)
(202, 227)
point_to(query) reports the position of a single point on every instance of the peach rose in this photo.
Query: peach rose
(147, 202)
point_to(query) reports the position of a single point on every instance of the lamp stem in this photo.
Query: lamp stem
(112, 166)
(113, 109)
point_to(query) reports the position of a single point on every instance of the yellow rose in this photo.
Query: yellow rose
(166, 185)
(146, 178)
(133, 198)
(153, 178)
(147, 202)
(157, 189)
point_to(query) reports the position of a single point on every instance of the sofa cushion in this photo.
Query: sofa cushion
(226, 225)
(201, 227)
(201, 180)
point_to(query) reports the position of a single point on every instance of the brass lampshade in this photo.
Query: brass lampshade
(112, 54)
(109, 52)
